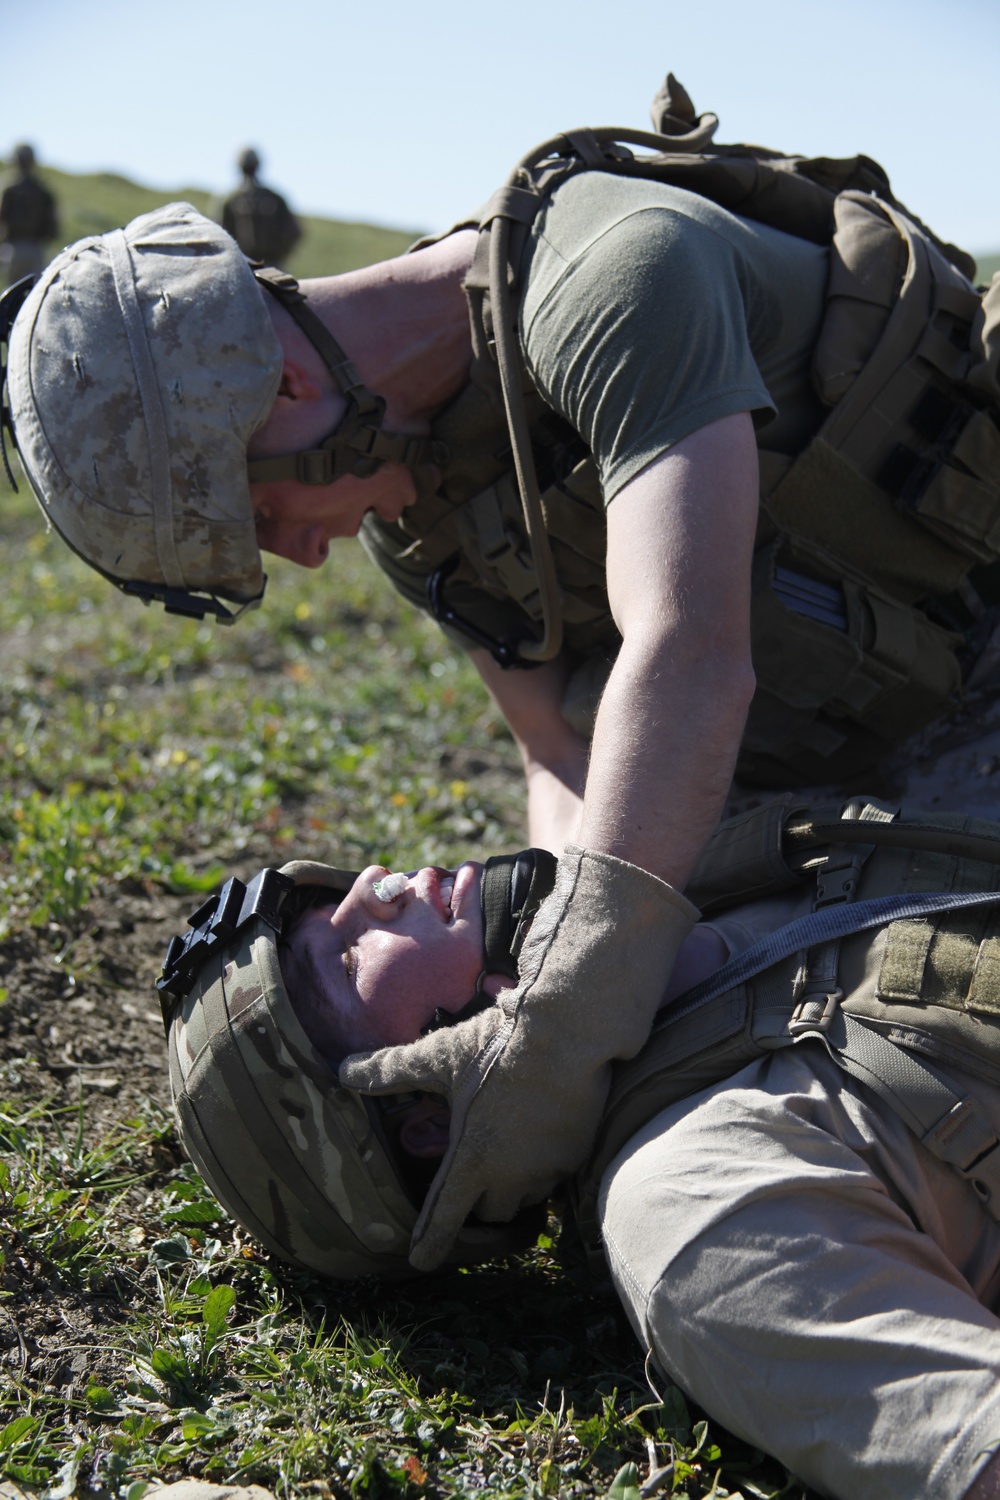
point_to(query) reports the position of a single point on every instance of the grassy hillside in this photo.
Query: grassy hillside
(90, 203)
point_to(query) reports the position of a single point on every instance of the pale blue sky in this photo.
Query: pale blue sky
(410, 114)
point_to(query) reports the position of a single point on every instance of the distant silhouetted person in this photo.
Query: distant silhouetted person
(27, 219)
(259, 219)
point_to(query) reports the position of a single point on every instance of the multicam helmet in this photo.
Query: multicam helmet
(307, 1166)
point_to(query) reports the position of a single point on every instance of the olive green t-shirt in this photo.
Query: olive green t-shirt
(649, 312)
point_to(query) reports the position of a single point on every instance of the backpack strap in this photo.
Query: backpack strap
(953, 1126)
(818, 927)
(817, 981)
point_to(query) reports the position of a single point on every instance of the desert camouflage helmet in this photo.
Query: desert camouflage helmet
(307, 1166)
(138, 367)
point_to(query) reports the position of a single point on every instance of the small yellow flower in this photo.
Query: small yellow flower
(458, 789)
(303, 611)
(178, 757)
(399, 799)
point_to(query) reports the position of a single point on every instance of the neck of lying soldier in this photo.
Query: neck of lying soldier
(405, 325)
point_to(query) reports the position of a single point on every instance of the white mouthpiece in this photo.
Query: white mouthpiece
(390, 886)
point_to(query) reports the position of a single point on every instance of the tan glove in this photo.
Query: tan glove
(527, 1079)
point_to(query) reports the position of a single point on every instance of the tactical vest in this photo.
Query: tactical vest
(897, 1008)
(862, 605)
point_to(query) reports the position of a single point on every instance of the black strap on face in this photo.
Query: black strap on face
(216, 922)
(513, 888)
(11, 303)
(358, 444)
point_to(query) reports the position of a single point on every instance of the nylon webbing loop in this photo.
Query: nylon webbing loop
(508, 364)
(952, 1126)
(512, 202)
(495, 899)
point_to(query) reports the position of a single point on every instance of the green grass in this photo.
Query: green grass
(333, 720)
(144, 754)
(232, 1369)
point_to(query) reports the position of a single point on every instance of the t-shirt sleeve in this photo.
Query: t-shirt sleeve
(644, 337)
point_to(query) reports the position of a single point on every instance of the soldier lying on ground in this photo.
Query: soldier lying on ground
(818, 1278)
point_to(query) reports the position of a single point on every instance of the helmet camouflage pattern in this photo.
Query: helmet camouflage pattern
(305, 1165)
(140, 365)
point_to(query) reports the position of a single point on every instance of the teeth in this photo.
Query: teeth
(447, 888)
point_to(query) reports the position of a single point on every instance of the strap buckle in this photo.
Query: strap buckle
(216, 922)
(504, 652)
(814, 1012)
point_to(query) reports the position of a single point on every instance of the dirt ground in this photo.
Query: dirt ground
(80, 1025)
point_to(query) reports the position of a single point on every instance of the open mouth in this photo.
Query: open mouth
(447, 890)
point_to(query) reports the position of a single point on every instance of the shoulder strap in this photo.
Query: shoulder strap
(820, 926)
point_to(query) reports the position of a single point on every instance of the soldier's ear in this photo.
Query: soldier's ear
(424, 1131)
(296, 382)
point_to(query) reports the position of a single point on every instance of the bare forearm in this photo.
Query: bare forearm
(680, 539)
(553, 754)
(662, 759)
(555, 803)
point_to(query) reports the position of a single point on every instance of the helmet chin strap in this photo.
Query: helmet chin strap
(513, 888)
(358, 444)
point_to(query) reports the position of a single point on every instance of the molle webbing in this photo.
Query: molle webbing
(886, 509)
(772, 848)
(897, 329)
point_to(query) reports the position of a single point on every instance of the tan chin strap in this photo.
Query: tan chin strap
(358, 444)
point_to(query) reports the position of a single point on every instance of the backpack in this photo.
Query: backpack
(861, 595)
(896, 1009)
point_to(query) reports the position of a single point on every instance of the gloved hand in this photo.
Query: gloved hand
(527, 1078)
